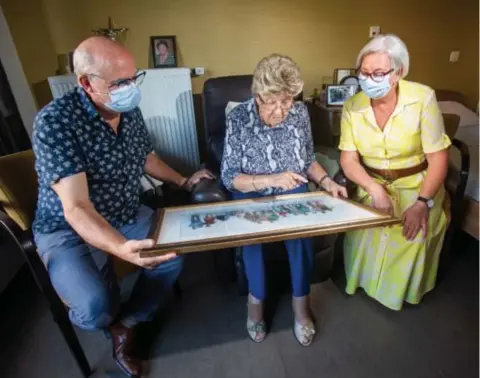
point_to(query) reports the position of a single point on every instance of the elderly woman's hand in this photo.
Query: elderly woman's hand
(414, 219)
(286, 180)
(334, 189)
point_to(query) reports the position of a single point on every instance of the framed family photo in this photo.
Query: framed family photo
(164, 51)
(338, 94)
(208, 227)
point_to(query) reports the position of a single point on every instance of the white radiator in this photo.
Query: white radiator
(167, 107)
(59, 85)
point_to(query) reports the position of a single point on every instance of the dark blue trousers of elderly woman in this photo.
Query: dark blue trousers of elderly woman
(300, 256)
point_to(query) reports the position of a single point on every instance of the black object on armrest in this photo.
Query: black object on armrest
(207, 191)
(459, 191)
(341, 179)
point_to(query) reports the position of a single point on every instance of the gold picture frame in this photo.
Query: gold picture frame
(234, 223)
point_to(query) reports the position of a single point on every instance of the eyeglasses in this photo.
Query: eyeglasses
(285, 104)
(375, 76)
(119, 83)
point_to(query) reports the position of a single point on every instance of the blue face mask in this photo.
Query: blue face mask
(376, 90)
(124, 99)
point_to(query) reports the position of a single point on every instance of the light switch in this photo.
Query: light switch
(374, 31)
(454, 55)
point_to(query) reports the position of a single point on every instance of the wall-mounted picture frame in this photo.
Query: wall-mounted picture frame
(222, 225)
(340, 73)
(164, 51)
(338, 94)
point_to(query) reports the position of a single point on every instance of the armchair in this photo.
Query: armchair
(18, 198)
(217, 93)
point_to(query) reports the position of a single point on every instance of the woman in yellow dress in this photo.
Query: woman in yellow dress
(394, 147)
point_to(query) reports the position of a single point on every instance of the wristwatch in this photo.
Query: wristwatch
(426, 201)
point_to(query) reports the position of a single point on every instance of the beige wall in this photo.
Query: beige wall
(229, 37)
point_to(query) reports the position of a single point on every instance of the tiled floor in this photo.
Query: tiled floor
(203, 334)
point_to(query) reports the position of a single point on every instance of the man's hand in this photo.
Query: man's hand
(129, 251)
(196, 177)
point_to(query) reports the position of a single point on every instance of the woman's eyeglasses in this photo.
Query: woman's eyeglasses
(376, 76)
(285, 104)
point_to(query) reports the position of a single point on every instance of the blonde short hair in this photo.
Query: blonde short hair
(275, 74)
(391, 45)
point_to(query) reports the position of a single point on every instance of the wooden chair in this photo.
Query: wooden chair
(18, 197)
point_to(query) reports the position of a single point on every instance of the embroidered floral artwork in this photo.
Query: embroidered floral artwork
(269, 214)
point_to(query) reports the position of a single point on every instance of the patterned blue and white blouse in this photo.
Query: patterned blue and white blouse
(253, 148)
(70, 137)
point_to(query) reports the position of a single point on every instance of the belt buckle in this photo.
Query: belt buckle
(390, 175)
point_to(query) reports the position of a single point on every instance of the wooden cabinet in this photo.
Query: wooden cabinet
(325, 122)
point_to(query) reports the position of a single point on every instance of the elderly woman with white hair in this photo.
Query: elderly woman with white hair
(269, 151)
(394, 147)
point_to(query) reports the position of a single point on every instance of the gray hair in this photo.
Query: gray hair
(391, 45)
(276, 74)
(85, 63)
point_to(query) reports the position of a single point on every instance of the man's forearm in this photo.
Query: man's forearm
(94, 229)
(156, 168)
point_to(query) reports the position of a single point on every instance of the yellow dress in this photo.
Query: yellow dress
(388, 267)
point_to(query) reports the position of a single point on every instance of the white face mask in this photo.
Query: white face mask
(124, 99)
(376, 90)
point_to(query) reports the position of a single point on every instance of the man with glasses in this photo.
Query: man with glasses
(92, 149)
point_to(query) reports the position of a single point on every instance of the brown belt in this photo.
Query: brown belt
(395, 174)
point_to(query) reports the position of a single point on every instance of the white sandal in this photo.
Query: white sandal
(304, 333)
(256, 329)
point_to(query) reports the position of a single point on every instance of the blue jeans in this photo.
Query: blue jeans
(300, 256)
(93, 294)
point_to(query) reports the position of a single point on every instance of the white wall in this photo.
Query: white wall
(15, 75)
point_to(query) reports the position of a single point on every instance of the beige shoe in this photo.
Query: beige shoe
(304, 333)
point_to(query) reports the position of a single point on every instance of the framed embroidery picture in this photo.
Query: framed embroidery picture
(222, 225)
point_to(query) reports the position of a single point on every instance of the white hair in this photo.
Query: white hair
(391, 45)
(275, 74)
(85, 63)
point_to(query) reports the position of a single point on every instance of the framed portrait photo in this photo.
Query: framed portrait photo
(338, 94)
(340, 73)
(164, 51)
(221, 225)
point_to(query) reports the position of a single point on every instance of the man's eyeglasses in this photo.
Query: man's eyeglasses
(272, 105)
(115, 84)
(376, 76)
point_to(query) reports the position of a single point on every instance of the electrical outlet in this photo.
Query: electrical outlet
(454, 56)
(374, 31)
(199, 71)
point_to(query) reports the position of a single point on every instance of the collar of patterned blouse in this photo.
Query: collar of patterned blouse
(407, 94)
